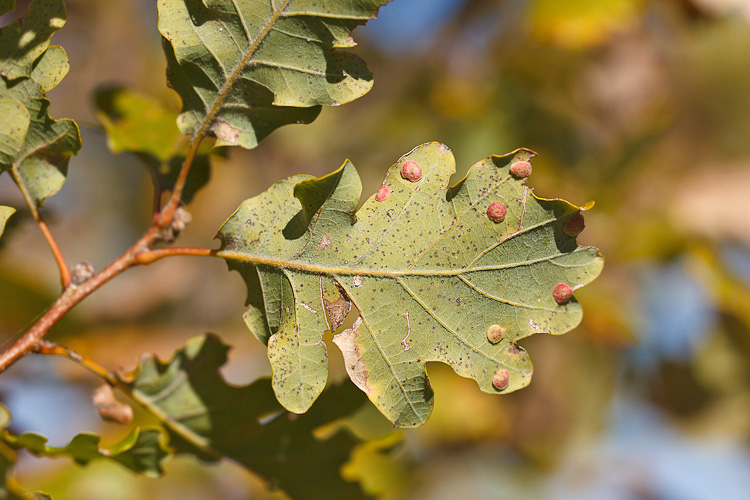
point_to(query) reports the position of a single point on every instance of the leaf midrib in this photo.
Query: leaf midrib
(226, 88)
(387, 273)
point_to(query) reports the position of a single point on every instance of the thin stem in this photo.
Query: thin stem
(151, 256)
(167, 214)
(50, 349)
(224, 91)
(65, 278)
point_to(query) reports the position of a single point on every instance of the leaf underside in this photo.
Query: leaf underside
(209, 418)
(425, 270)
(246, 67)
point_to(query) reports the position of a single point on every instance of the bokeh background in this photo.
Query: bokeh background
(642, 106)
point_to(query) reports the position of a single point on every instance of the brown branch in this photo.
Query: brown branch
(138, 254)
(72, 296)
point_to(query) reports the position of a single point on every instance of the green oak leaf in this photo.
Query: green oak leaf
(247, 67)
(22, 42)
(5, 213)
(43, 160)
(142, 125)
(211, 419)
(142, 451)
(13, 129)
(428, 275)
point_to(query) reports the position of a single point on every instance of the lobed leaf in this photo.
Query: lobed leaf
(22, 42)
(428, 274)
(48, 144)
(144, 126)
(246, 67)
(211, 419)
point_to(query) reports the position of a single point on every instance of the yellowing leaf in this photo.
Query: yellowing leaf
(144, 126)
(434, 273)
(5, 213)
(246, 67)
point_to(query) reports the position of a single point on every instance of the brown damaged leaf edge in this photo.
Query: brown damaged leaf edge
(355, 365)
(336, 311)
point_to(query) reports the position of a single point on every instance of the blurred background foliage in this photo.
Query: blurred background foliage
(643, 106)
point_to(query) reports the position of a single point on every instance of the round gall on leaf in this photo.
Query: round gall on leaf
(574, 226)
(562, 293)
(501, 380)
(495, 333)
(411, 171)
(521, 169)
(496, 211)
(383, 193)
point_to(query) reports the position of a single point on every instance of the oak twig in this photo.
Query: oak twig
(65, 278)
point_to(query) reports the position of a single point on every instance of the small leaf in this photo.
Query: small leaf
(209, 418)
(43, 160)
(144, 126)
(5, 213)
(427, 270)
(247, 67)
(26, 39)
(142, 451)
